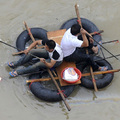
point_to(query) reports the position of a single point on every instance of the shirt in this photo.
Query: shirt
(56, 54)
(69, 43)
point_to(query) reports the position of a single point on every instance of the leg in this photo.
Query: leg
(96, 49)
(26, 58)
(88, 59)
(30, 69)
(78, 57)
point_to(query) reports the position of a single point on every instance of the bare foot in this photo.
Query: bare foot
(104, 68)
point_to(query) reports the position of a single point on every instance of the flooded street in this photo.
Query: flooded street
(16, 100)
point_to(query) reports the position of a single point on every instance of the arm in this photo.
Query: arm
(48, 64)
(85, 40)
(90, 38)
(38, 42)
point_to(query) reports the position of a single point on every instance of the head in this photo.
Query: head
(50, 45)
(75, 29)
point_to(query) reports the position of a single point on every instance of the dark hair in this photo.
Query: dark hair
(75, 29)
(51, 44)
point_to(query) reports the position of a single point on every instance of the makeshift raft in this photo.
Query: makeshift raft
(53, 95)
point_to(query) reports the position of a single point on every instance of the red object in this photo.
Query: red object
(29, 31)
(62, 91)
(97, 33)
(74, 81)
(79, 21)
(94, 80)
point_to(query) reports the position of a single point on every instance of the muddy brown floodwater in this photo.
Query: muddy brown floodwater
(16, 100)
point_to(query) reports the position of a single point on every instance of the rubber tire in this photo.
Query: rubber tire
(100, 83)
(46, 94)
(24, 37)
(86, 24)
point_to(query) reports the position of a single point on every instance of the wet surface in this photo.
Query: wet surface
(17, 102)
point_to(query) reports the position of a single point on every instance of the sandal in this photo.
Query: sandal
(104, 68)
(11, 65)
(13, 73)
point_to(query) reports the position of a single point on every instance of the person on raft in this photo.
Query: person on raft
(94, 48)
(50, 56)
(70, 45)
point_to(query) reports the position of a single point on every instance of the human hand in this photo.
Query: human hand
(26, 51)
(83, 31)
(42, 60)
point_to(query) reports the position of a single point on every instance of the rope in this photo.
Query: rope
(29, 32)
(62, 91)
(97, 33)
(30, 84)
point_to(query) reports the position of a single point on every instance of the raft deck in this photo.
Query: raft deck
(57, 37)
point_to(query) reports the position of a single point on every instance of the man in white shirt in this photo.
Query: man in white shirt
(70, 44)
(51, 56)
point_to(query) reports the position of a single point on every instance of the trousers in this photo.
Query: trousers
(79, 57)
(42, 53)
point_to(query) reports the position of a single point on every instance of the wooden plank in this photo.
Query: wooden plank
(56, 35)
(59, 70)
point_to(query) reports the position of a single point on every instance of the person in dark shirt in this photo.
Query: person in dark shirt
(50, 56)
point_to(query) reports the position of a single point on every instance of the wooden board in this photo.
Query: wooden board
(57, 37)
(59, 70)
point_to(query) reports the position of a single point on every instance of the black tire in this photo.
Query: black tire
(24, 37)
(86, 24)
(101, 82)
(46, 94)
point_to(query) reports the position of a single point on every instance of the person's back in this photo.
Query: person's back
(69, 43)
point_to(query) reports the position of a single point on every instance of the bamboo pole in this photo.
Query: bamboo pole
(17, 53)
(31, 36)
(50, 72)
(29, 31)
(41, 79)
(68, 107)
(110, 41)
(91, 70)
(97, 32)
(83, 75)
